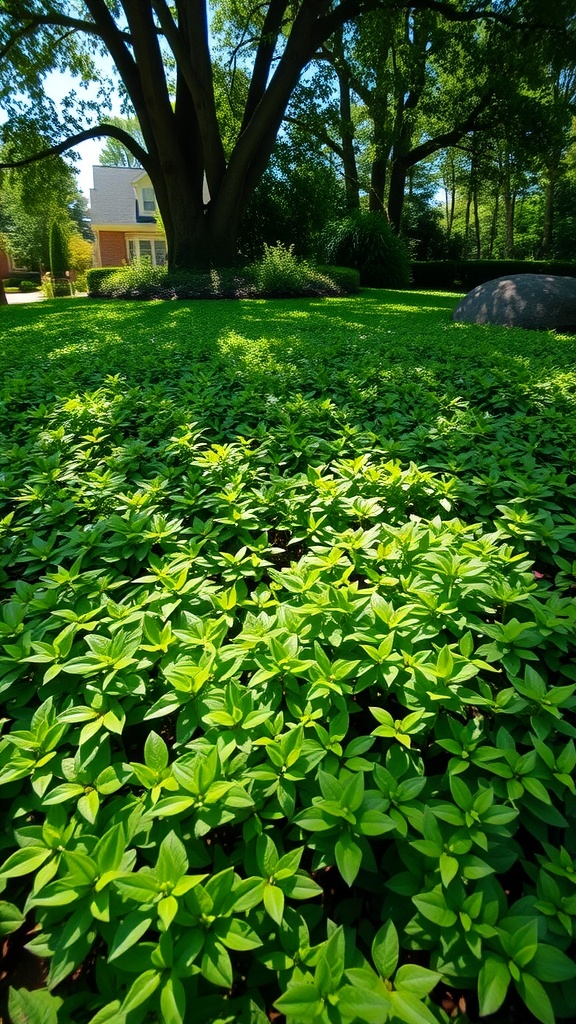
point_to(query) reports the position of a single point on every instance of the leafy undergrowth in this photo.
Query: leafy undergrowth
(286, 656)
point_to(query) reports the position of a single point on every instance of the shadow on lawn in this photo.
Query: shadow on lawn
(358, 352)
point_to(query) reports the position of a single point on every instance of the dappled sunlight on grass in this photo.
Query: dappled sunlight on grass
(341, 346)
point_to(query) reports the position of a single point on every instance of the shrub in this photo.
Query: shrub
(347, 279)
(279, 273)
(96, 276)
(27, 286)
(58, 251)
(81, 283)
(61, 289)
(366, 241)
(80, 252)
(138, 279)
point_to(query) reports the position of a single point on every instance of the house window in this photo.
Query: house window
(152, 249)
(148, 200)
(145, 249)
(159, 253)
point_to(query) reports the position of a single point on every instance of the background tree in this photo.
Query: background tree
(115, 153)
(59, 259)
(31, 198)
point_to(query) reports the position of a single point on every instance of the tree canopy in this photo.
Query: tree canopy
(169, 65)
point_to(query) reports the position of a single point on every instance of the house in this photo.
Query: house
(124, 217)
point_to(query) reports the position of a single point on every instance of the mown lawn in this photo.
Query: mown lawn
(287, 633)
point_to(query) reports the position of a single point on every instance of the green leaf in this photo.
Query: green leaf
(24, 861)
(129, 931)
(300, 887)
(536, 789)
(493, 982)
(313, 820)
(385, 950)
(536, 998)
(363, 1004)
(348, 857)
(288, 865)
(89, 805)
(417, 980)
(10, 918)
(236, 934)
(552, 965)
(216, 965)
(167, 909)
(110, 849)
(141, 990)
(406, 1007)
(38, 1007)
(155, 753)
(433, 907)
(173, 1001)
(523, 939)
(172, 860)
(300, 1001)
(448, 868)
(171, 805)
(274, 902)
(266, 855)
(139, 886)
(110, 1014)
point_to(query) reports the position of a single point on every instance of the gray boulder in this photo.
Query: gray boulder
(533, 301)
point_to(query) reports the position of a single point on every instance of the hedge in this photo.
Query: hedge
(97, 275)
(465, 275)
(17, 276)
(187, 286)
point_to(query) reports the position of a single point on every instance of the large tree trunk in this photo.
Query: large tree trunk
(509, 198)
(494, 225)
(396, 194)
(548, 221)
(351, 185)
(477, 224)
(379, 168)
(3, 299)
(450, 198)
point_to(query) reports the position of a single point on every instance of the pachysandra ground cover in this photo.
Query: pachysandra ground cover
(287, 667)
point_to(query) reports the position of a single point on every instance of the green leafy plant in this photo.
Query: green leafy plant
(286, 633)
(366, 242)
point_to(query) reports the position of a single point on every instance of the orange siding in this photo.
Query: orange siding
(112, 248)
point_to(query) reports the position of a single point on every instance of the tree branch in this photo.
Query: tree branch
(264, 54)
(322, 136)
(446, 138)
(34, 21)
(126, 65)
(98, 132)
